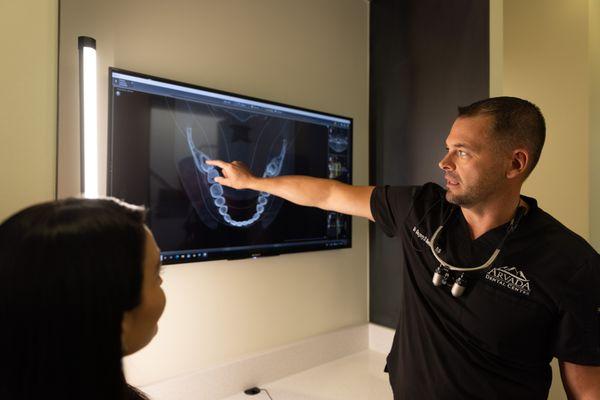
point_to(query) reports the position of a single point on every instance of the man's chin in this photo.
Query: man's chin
(453, 198)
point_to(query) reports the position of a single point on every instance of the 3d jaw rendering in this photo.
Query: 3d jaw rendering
(209, 173)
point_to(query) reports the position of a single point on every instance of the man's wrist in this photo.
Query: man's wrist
(256, 183)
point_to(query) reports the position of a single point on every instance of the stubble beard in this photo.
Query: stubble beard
(473, 195)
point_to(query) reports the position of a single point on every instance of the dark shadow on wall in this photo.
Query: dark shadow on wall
(427, 57)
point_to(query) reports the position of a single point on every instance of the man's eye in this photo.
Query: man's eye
(461, 154)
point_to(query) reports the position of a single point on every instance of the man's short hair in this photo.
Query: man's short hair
(516, 122)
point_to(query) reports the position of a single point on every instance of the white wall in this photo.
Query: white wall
(28, 72)
(309, 53)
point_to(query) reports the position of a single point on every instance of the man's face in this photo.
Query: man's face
(474, 165)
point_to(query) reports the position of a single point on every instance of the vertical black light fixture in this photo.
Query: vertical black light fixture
(88, 117)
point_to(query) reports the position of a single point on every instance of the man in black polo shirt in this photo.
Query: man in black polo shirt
(512, 287)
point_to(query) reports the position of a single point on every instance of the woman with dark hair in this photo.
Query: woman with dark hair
(79, 289)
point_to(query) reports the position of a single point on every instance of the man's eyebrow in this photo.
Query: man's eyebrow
(461, 146)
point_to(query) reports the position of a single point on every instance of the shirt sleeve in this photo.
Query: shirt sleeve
(390, 206)
(578, 333)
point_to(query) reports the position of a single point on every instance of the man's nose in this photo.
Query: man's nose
(446, 164)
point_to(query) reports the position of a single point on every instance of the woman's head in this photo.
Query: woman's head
(79, 288)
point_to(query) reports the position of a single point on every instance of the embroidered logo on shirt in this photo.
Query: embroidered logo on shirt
(424, 238)
(511, 278)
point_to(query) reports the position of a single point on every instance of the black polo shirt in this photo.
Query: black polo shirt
(539, 299)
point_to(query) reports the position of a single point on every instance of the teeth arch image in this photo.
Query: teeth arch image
(272, 169)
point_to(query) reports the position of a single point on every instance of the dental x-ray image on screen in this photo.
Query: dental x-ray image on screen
(161, 133)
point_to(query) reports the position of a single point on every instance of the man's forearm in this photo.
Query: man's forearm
(327, 194)
(302, 190)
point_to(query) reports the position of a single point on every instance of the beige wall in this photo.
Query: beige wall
(594, 48)
(545, 58)
(28, 72)
(546, 61)
(308, 53)
(496, 47)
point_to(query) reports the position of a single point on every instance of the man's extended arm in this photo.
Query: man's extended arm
(326, 194)
(581, 382)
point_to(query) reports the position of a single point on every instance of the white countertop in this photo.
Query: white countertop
(356, 377)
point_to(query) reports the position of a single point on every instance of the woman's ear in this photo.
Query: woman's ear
(519, 164)
(126, 325)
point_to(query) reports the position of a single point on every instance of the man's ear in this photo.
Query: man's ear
(519, 163)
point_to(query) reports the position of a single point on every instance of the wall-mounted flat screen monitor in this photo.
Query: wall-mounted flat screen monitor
(161, 133)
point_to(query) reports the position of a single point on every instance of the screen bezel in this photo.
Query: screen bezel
(242, 253)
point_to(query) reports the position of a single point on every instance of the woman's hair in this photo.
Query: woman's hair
(69, 269)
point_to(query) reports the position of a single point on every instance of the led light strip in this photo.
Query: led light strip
(88, 116)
